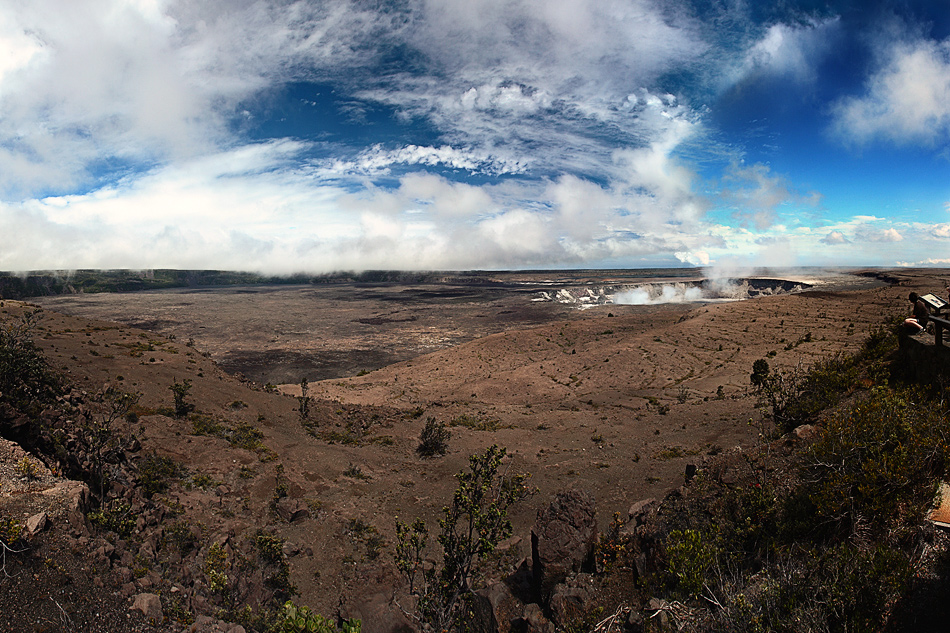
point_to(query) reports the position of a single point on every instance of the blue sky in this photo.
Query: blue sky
(457, 134)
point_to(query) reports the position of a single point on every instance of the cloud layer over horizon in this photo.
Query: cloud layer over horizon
(445, 134)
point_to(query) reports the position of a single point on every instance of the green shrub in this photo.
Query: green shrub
(475, 423)
(434, 439)
(246, 436)
(206, 425)
(826, 534)
(10, 531)
(156, 473)
(877, 464)
(28, 469)
(760, 371)
(689, 554)
(613, 544)
(181, 536)
(367, 535)
(747, 518)
(471, 528)
(215, 568)
(117, 518)
(304, 400)
(840, 589)
(204, 481)
(355, 472)
(27, 382)
(270, 548)
(294, 619)
(797, 396)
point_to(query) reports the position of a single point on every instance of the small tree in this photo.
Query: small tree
(27, 381)
(180, 392)
(304, 400)
(760, 371)
(434, 439)
(798, 395)
(100, 433)
(471, 528)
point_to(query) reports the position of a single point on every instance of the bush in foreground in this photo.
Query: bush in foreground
(471, 528)
(820, 536)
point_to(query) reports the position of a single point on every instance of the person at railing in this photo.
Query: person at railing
(917, 322)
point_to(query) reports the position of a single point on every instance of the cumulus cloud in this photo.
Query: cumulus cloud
(559, 42)
(870, 233)
(520, 76)
(834, 237)
(698, 258)
(907, 100)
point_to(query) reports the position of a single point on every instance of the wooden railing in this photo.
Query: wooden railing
(939, 325)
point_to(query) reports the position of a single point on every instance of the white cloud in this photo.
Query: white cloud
(907, 100)
(122, 135)
(512, 98)
(698, 258)
(509, 85)
(17, 48)
(756, 194)
(834, 237)
(557, 42)
(791, 50)
(378, 159)
(247, 209)
(536, 83)
(785, 51)
(887, 235)
(930, 262)
(91, 81)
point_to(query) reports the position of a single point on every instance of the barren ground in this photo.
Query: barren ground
(617, 399)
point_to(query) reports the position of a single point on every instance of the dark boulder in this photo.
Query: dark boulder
(563, 539)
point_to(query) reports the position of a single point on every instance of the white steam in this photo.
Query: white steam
(652, 294)
(696, 291)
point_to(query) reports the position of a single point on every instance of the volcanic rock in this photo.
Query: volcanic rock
(149, 604)
(563, 538)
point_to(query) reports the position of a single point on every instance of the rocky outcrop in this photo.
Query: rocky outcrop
(548, 589)
(563, 539)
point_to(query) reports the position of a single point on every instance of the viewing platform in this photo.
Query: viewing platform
(927, 354)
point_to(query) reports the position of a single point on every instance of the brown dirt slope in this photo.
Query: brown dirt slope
(618, 405)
